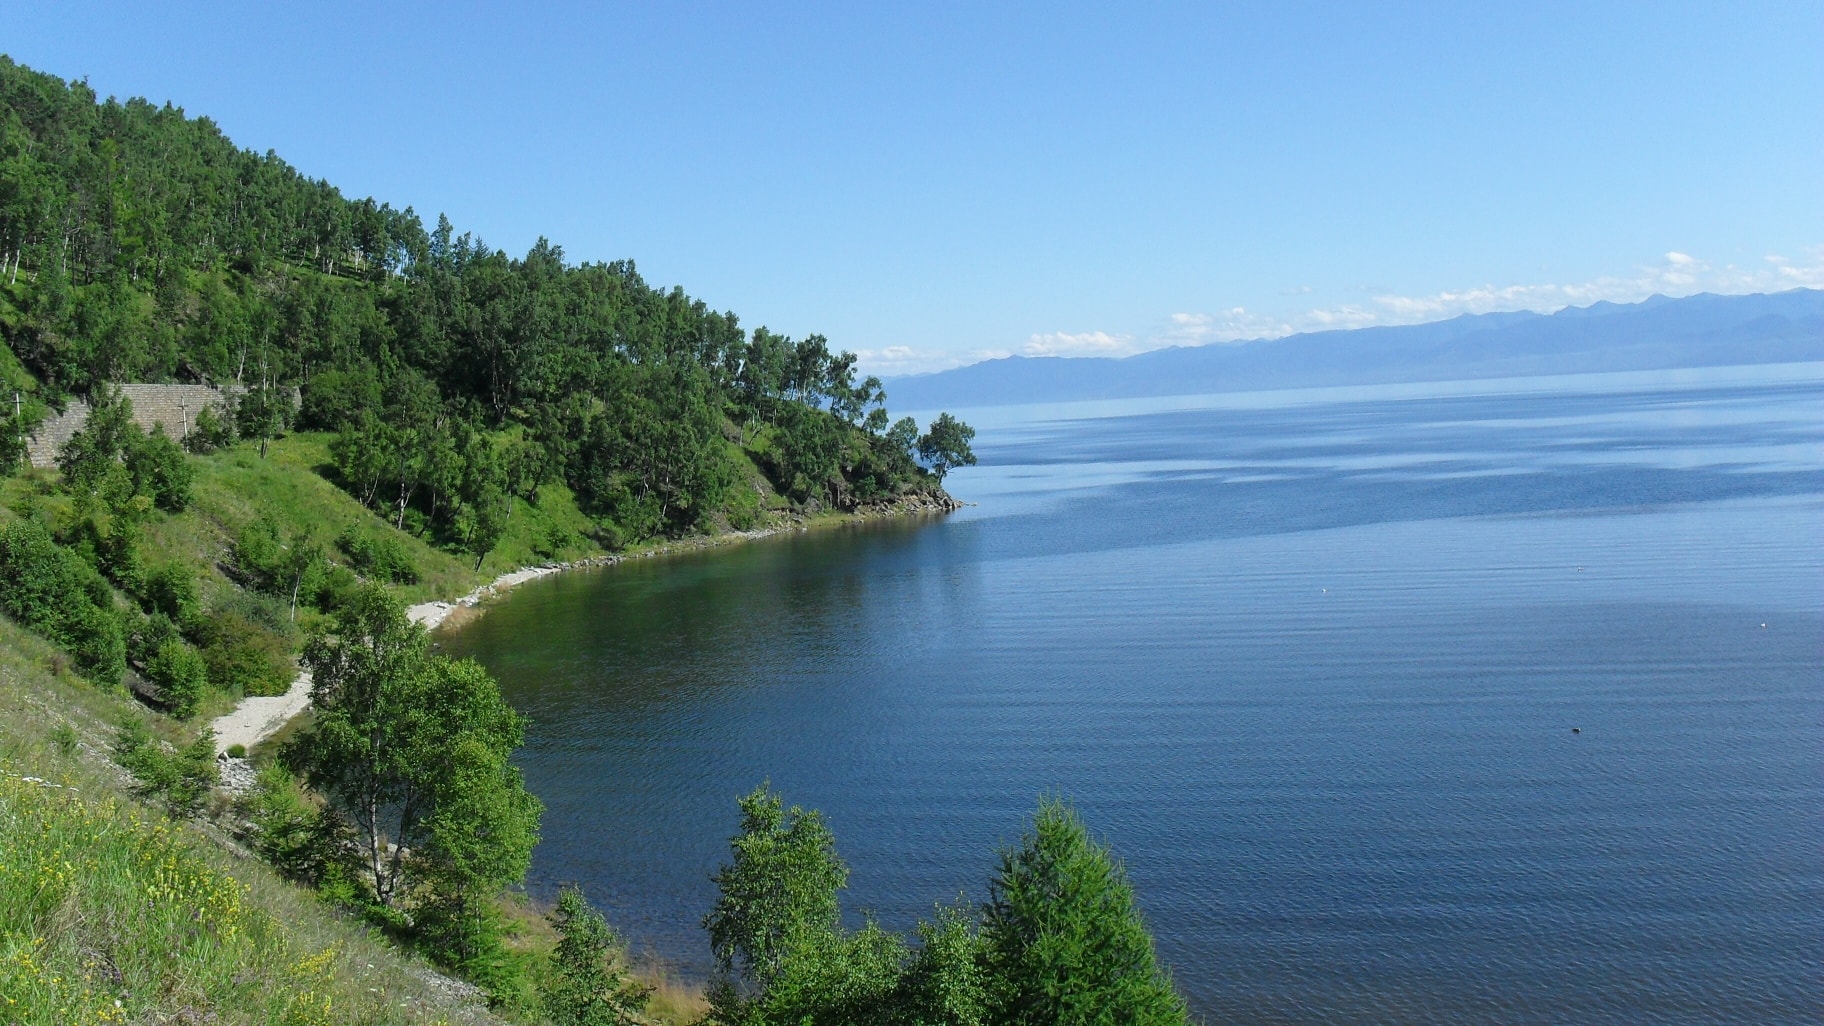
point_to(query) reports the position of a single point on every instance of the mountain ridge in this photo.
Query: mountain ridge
(1656, 333)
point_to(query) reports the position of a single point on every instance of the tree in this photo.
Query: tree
(51, 590)
(159, 470)
(263, 411)
(944, 985)
(1063, 943)
(946, 445)
(410, 749)
(302, 559)
(180, 673)
(477, 838)
(590, 987)
(779, 887)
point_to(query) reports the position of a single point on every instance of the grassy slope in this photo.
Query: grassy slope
(291, 957)
(102, 900)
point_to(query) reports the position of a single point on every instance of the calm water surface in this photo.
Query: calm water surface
(1309, 661)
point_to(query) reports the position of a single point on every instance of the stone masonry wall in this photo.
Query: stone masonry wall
(173, 406)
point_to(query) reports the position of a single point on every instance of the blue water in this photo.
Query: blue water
(1310, 662)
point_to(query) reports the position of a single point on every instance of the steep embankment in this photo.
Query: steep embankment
(109, 912)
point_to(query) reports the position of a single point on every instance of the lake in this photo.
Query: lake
(1494, 701)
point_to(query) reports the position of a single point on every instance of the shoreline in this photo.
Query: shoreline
(451, 614)
(255, 719)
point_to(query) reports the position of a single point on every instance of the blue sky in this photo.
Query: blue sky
(933, 184)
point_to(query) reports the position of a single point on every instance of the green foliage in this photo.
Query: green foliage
(263, 411)
(410, 751)
(1063, 942)
(259, 554)
(378, 556)
(159, 470)
(290, 567)
(945, 985)
(946, 445)
(289, 830)
(147, 247)
(64, 739)
(181, 778)
(780, 886)
(92, 461)
(170, 589)
(52, 591)
(237, 751)
(181, 674)
(243, 656)
(109, 542)
(478, 838)
(212, 431)
(589, 985)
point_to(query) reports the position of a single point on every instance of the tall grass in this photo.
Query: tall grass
(103, 900)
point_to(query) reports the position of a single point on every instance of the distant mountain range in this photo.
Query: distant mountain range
(1657, 333)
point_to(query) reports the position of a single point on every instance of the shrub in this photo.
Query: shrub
(382, 557)
(170, 589)
(182, 778)
(243, 657)
(63, 738)
(52, 591)
(259, 553)
(159, 470)
(289, 830)
(148, 635)
(180, 673)
(1062, 939)
(332, 399)
(237, 751)
(589, 985)
(212, 431)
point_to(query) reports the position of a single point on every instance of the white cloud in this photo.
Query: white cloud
(890, 360)
(1677, 274)
(1085, 343)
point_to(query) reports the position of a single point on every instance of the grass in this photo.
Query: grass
(111, 912)
(103, 900)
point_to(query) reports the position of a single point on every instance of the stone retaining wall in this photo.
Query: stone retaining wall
(173, 406)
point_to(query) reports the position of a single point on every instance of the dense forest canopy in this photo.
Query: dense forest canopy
(140, 244)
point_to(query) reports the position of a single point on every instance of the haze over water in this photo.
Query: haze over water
(1310, 662)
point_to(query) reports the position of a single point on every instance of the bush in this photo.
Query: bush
(381, 557)
(63, 737)
(148, 635)
(159, 470)
(180, 673)
(237, 751)
(333, 399)
(289, 829)
(170, 589)
(244, 658)
(212, 431)
(181, 778)
(259, 554)
(589, 986)
(52, 591)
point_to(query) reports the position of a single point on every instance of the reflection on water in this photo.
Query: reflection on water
(1310, 663)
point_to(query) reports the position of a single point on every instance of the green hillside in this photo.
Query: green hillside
(411, 413)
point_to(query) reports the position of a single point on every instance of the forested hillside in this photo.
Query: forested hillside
(140, 244)
(408, 405)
